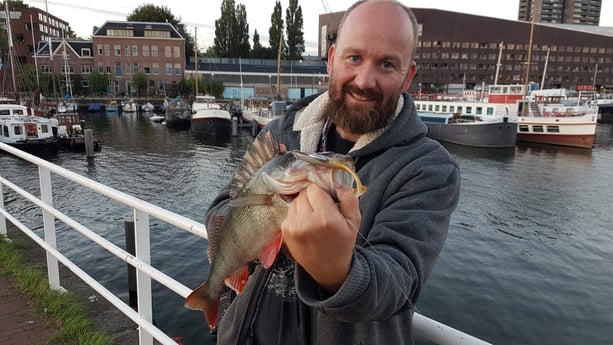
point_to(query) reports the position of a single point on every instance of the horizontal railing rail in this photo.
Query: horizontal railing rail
(142, 211)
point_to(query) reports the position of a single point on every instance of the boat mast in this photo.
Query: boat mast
(529, 62)
(10, 46)
(35, 52)
(196, 57)
(545, 69)
(279, 65)
(66, 70)
(498, 64)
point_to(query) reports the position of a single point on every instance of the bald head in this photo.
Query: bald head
(404, 20)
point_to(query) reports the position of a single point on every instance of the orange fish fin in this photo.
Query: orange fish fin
(269, 254)
(199, 299)
(252, 200)
(238, 279)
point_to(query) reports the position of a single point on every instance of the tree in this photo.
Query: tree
(293, 28)
(275, 32)
(259, 51)
(98, 82)
(139, 83)
(162, 14)
(232, 31)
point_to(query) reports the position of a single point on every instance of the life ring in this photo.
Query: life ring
(31, 129)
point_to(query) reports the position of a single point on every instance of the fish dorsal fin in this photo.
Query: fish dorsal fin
(263, 148)
(252, 200)
(213, 234)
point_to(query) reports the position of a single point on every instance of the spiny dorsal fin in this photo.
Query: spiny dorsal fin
(264, 148)
(213, 232)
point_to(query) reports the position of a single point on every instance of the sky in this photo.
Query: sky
(82, 16)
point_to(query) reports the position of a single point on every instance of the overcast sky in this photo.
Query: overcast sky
(84, 15)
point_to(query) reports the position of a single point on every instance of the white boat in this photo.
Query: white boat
(157, 118)
(26, 132)
(67, 106)
(549, 116)
(210, 117)
(130, 106)
(475, 119)
(147, 107)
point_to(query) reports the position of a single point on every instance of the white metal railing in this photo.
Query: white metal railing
(424, 327)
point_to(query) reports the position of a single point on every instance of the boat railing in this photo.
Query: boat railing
(141, 261)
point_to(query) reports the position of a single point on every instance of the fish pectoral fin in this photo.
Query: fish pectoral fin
(252, 200)
(237, 280)
(270, 252)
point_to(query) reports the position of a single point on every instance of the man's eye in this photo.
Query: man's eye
(354, 58)
(387, 65)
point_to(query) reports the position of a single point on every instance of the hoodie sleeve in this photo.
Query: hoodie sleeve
(405, 219)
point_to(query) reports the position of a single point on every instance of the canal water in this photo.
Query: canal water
(527, 260)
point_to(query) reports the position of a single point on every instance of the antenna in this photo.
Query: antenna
(326, 6)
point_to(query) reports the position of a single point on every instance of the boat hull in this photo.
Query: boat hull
(77, 143)
(477, 134)
(212, 125)
(577, 131)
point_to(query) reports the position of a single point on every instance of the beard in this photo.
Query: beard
(359, 119)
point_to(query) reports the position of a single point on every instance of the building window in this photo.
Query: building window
(65, 70)
(100, 69)
(117, 49)
(46, 69)
(134, 50)
(156, 69)
(177, 69)
(85, 83)
(100, 49)
(177, 52)
(168, 52)
(154, 51)
(145, 50)
(147, 69)
(135, 69)
(168, 69)
(86, 69)
(107, 50)
(118, 69)
(86, 52)
(126, 50)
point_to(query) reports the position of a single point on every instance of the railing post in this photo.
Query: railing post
(143, 281)
(2, 218)
(128, 224)
(46, 196)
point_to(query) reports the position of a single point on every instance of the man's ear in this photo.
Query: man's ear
(409, 77)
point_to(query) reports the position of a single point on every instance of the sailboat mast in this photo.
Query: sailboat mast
(35, 52)
(66, 70)
(10, 44)
(545, 69)
(196, 57)
(498, 64)
(279, 65)
(529, 62)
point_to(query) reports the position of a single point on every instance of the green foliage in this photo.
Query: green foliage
(62, 309)
(98, 82)
(275, 33)
(295, 35)
(139, 83)
(162, 14)
(232, 31)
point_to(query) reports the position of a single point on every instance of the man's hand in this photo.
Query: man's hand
(320, 235)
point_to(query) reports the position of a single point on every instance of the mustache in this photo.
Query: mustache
(374, 94)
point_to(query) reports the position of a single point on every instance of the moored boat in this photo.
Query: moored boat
(213, 121)
(550, 117)
(71, 135)
(26, 132)
(472, 119)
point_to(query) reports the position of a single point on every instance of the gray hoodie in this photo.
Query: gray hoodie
(413, 187)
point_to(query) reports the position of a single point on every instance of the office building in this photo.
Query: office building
(585, 12)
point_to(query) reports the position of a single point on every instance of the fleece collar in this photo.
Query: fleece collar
(310, 124)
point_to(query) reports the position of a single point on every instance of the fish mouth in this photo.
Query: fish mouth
(334, 161)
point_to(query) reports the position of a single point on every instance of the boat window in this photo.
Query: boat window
(437, 108)
(44, 129)
(5, 131)
(4, 112)
(490, 111)
(429, 107)
(524, 128)
(469, 110)
(459, 109)
(451, 108)
(444, 109)
(479, 111)
(538, 129)
(17, 130)
(553, 129)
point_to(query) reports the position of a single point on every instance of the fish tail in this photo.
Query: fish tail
(200, 299)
